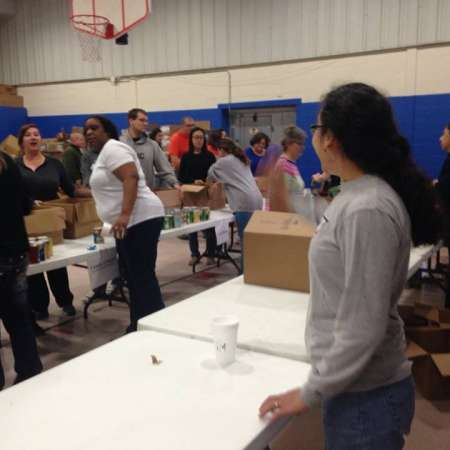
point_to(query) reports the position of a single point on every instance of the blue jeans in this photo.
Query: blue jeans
(242, 219)
(211, 243)
(16, 316)
(372, 420)
(137, 254)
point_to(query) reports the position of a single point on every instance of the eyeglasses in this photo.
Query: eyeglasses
(314, 127)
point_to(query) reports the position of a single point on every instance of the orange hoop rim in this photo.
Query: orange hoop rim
(93, 21)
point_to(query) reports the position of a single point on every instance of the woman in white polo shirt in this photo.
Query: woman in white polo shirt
(136, 214)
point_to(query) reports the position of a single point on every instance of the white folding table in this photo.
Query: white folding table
(115, 398)
(75, 251)
(272, 320)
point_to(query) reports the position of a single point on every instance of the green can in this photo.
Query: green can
(205, 213)
(190, 215)
(168, 222)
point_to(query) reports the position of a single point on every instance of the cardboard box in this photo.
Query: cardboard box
(81, 216)
(11, 100)
(46, 222)
(170, 198)
(276, 248)
(10, 145)
(7, 89)
(212, 196)
(429, 349)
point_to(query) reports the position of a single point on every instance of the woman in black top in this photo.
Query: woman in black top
(194, 168)
(43, 178)
(14, 308)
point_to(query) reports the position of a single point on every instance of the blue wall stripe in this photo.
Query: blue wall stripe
(420, 118)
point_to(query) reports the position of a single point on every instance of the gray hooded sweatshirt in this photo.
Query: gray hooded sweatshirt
(157, 169)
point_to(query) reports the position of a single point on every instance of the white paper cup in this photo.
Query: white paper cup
(224, 331)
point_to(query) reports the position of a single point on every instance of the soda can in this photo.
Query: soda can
(178, 219)
(97, 235)
(171, 221)
(197, 215)
(33, 252)
(205, 213)
(190, 215)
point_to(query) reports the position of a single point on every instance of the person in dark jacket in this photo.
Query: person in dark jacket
(43, 178)
(72, 156)
(443, 182)
(194, 168)
(14, 308)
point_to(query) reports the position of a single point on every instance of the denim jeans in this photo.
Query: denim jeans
(38, 295)
(242, 219)
(137, 253)
(372, 420)
(16, 316)
(211, 243)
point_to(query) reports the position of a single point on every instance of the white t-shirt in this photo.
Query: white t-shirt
(107, 189)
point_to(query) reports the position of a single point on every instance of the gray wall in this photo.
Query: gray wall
(38, 45)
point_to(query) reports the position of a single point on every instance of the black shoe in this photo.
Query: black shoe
(41, 315)
(69, 310)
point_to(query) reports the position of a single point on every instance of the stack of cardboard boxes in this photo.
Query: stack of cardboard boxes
(68, 218)
(428, 332)
(9, 97)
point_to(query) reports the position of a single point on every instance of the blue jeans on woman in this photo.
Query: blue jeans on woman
(373, 420)
(242, 218)
(15, 313)
(137, 254)
(211, 243)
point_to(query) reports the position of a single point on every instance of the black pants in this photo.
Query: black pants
(16, 316)
(38, 292)
(211, 243)
(138, 252)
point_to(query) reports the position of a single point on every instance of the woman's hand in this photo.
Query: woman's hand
(82, 191)
(119, 229)
(282, 405)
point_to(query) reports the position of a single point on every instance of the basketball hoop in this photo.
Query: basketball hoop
(92, 29)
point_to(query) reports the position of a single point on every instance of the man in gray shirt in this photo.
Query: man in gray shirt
(157, 169)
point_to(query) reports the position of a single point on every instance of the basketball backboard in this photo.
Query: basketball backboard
(93, 16)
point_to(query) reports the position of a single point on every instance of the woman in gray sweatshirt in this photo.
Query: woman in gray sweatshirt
(232, 169)
(358, 263)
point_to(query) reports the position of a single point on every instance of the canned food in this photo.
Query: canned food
(197, 215)
(168, 222)
(178, 220)
(33, 252)
(190, 215)
(205, 213)
(97, 235)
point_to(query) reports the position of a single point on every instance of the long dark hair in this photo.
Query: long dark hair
(228, 146)
(108, 126)
(362, 121)
(191, 144)
(214, 137)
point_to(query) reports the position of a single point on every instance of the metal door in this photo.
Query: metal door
(271, 121)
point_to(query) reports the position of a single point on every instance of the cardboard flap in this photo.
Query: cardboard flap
(432, 314)
(78, 210)
(414, 351)
(279, 223)
(42, 221)
(170, 198)
(442, 362)
(192, 188)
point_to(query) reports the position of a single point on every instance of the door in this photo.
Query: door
(271, 121)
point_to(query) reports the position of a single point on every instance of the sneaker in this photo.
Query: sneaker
(194, 260)
(69, 310)
(41, 315)
(210, 261)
